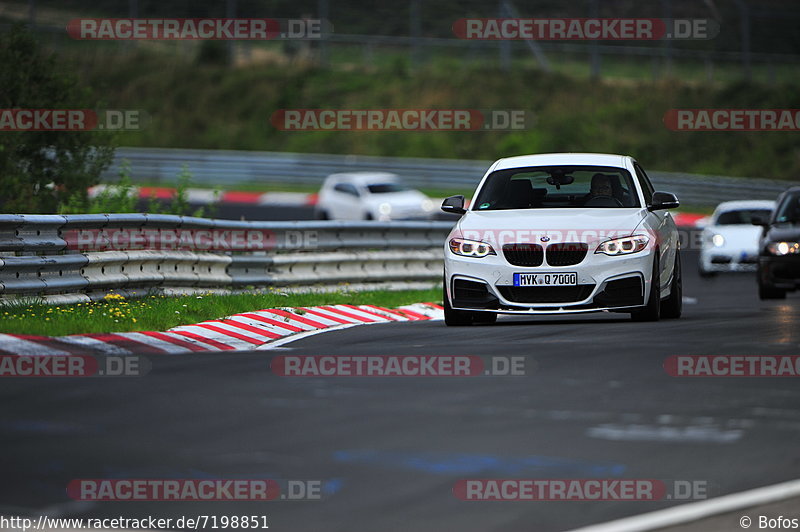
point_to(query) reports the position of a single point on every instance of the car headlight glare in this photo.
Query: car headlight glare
(385, 208)
(428, 205)
(718, 240)
(470, 248)
(784, 248)
(623, 246)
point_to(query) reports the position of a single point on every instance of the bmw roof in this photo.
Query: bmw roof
(559, 159)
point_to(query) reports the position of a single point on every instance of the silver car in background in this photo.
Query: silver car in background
(729, 241)
(378, 196)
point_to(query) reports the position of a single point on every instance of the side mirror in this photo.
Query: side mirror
(760, 220)
(454, 205)
(663, 200)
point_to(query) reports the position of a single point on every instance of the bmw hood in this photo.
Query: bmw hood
(553, 225)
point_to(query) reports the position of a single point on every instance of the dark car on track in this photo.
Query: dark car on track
(779, 248)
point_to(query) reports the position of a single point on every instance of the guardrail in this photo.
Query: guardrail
(83, 257)
(215, 167)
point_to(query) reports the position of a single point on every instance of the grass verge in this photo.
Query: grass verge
(570, 113)
(159, 313)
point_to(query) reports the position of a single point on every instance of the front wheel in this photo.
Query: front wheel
(672, 307)
(770, 292)
(767, 291)
(454, 318)
(651, 311)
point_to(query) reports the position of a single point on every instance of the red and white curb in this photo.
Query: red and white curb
(204, 196)
(259, 329)
(688, 219)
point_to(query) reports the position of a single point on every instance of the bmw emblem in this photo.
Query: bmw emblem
(545, 239)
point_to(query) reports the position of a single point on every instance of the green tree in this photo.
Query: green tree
(39, 170)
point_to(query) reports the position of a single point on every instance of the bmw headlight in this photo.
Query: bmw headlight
(718, 240)
(470, 248)
(385, 209)
(623, 246)
(783, 248)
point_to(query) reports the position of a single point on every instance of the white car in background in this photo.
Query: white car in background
(729, 241)
(371, 196)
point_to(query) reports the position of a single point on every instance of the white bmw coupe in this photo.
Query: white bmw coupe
(562, 233)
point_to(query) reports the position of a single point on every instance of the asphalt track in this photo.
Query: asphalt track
(595, 403)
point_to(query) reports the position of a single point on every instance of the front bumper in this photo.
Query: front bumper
(728, 260)
(604, 284)
(780, 272)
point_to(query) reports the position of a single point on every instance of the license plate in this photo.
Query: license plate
(546, 279)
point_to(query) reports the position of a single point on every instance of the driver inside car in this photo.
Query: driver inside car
(600, 188)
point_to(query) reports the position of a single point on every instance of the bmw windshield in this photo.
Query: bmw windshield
(549, 187)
